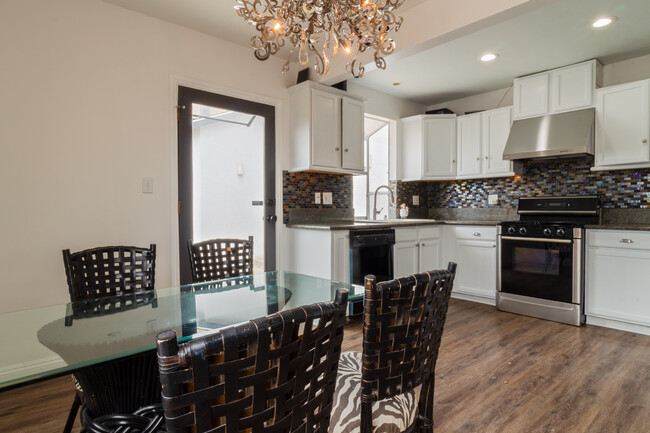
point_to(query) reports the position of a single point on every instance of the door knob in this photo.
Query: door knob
(645, 140)
(270, 218)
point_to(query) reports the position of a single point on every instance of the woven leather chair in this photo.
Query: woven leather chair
(272, 374)
(216, 259)
(402, 328)
(96, 273)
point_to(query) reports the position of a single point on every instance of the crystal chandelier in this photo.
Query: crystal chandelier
(321, 28)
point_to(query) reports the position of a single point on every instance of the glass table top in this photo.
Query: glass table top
(55, 340)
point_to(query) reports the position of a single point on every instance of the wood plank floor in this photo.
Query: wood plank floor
(497, 372)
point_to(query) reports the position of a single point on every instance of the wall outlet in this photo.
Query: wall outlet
(327, 198)
(147, 185)
(317, 198)
(416, 200)
(493, 199)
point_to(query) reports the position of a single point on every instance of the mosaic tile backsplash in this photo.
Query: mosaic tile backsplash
(299, 188)
(616, 189)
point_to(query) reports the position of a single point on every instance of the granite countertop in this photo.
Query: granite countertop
(619, 226)
(370, 225)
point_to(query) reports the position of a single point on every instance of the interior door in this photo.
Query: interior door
(226, 174)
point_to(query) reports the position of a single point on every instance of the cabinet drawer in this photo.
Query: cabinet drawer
(406, 234)
(429, 232)
(487, 233)
(636, 240)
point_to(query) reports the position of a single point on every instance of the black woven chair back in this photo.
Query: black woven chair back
(216, 259)
(402, 329)
(109, 271)
(273, 374)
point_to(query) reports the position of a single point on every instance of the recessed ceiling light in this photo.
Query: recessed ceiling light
(396, 84)
(488, 57)
(602, 22)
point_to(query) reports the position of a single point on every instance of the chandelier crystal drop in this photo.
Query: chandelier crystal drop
(319, 29)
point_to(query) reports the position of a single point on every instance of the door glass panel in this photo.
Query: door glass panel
(228, 177)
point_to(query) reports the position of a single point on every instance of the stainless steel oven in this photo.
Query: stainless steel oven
(541, 277)
(540, 270)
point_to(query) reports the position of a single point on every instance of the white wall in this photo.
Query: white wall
(86, 111)
(634, 69)
(484, 101)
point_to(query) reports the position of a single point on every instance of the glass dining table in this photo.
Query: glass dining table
(47, 342)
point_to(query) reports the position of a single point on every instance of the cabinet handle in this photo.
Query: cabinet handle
(337, 149)
(626, 241)
(422, 244)
(453, 161)
(347, 236)
(645, 140)
(494, 245)
(476, 234)
(346, 150)
(486, 157)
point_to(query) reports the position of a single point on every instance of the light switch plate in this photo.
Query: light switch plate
(317, 198)
(147, 185)
(416, 200)
(327, 198)
(493, 199)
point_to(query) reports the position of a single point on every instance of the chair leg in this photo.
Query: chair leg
(73, 414)
(425, 417)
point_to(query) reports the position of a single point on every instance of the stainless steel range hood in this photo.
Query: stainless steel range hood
(554, 136)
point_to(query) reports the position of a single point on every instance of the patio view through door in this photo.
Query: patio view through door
(226, 174)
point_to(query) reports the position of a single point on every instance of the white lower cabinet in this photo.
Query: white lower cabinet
(417, 249)
(473, 249)
(320, 253)
(617, 284)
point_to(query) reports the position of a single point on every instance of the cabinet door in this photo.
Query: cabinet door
(476, 274)
(439, 147)
(352, 134)
(325, 129)
(496, 127)
(616, 286)
(531, 95)
(405, 259)
(469, 145)
(623, 124)
(429, 257)
(573, 87)
(341, 256)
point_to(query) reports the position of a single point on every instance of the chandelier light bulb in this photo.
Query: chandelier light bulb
(602, 22)
(314, 30)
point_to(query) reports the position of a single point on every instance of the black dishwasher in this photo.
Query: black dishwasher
(371, 252)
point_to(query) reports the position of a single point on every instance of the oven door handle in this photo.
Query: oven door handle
(546, 240)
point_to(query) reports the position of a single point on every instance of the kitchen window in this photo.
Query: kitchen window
(376, 155)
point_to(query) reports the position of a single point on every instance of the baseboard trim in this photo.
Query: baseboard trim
(473, 298)
(28, 369)
(621, 326)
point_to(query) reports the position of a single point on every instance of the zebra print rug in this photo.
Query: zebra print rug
(392, 415)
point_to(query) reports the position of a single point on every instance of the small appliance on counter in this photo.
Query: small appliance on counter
(540, 258)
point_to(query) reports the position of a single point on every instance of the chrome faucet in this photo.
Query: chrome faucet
(374, 207)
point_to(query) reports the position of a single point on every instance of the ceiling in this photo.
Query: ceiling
(555, 35)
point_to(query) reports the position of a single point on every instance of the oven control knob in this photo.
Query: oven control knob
(560, 232)
(548, 232)
(522, 230)
(511, 230)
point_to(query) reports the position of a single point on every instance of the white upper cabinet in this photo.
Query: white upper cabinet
(326, 129)
(531, 95)
(352, 116)
(469, 145)
(481, 140)
(427, 147)
(623, 126)
(496, 128)
(558, 90)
